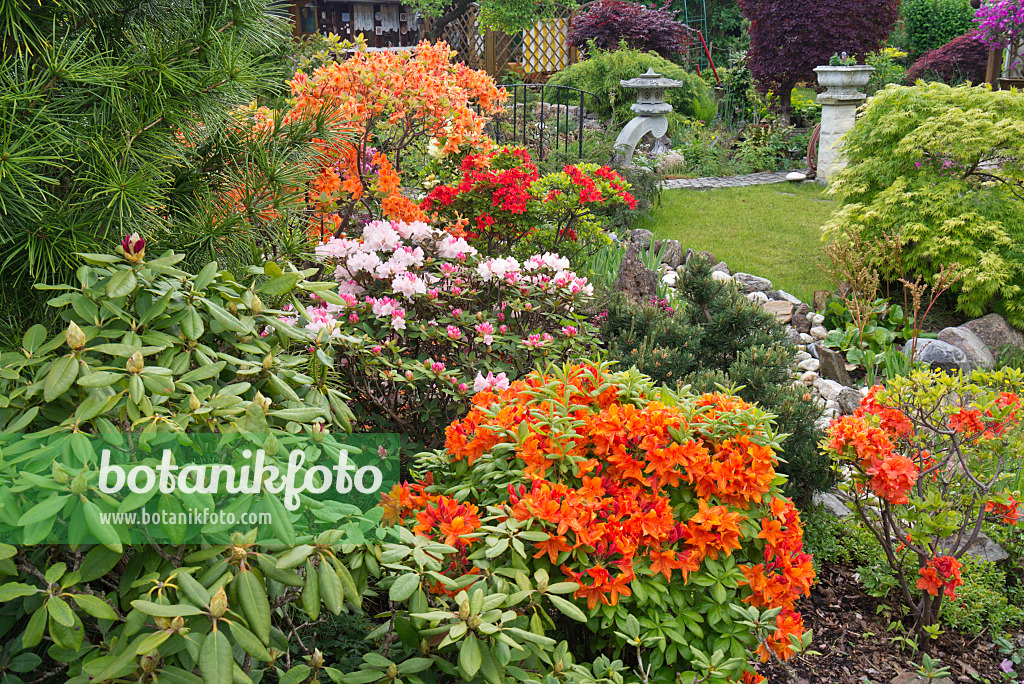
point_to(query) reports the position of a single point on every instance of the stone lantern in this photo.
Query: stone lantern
(650, 109)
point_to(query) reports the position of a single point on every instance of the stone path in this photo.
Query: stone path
(726, 182)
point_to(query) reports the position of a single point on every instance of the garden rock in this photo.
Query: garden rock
(816, 319)
(784, 296)
(809, 378)
(832, 504)
(849, 400)
(829, 389)
(818, 332)
(673, 255)
(783, 311)
(670, 278)
(751, 283)
(635, 280)
(805, 338)
(809, 364)
(721, 267)
(690, 253)
(642, 237)
(800, 322)
(833, 366)
(721, 277)
(986, 549)
(820, 297)
(796, 177)
(758, 298)
(793, 335)
(940, 355)
(966, 341)
(662, 146)
(995, 332)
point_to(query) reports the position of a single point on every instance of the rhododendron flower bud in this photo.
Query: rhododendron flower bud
(463, 388)
(75, 337)
(353, 318)
(319, 432)
(257, 306)
(193, 402)
(135, 364)
(409, 375)
(219, 603)
(376, 349)
(503, 329)
(133, 248)
(453, 332)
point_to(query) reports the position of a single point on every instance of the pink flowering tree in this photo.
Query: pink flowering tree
(1001, 26)
(420, 320)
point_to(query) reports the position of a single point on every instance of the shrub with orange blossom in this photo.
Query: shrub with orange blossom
(925, 464)
(656, 505)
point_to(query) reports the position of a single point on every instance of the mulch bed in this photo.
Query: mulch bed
(854, 641)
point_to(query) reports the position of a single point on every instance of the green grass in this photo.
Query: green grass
(772, 231)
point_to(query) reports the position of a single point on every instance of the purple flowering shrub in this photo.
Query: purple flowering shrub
(420, 320)
(1001, 25)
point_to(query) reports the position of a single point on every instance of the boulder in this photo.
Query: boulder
(673, 254)
(966, 341)
(721, 277)
(987, 550)
(940, 355)
(793, 335)
(642, 237)
(784, 296)
(820, 297)
(751, 283)
(995, 332)
(803, 309)
(829, 389)
(809, 378)
(670, 278)
(721, 267)
(635, 280)
(758, 298)
(849, 400)
(800, 322)
(796, 177)
(833, 366)
(661, 146)
(783, 311)
(819, 332)
(831, 503)
(809, 364)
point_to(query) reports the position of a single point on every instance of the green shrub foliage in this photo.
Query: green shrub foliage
(940, 167)
(716, 337)
(931, 23)
(601, 72)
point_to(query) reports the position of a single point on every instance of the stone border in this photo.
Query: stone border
(765, 178)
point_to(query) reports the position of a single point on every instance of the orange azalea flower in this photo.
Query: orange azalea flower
(552, 547)
(893, 478)
(714, 529)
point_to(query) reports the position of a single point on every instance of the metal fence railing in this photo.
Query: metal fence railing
(543, 118)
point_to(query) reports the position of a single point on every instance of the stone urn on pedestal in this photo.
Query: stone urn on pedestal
(838, 111)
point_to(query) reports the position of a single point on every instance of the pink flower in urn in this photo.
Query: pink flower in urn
(134, 248)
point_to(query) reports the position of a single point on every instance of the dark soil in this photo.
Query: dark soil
(854, 641)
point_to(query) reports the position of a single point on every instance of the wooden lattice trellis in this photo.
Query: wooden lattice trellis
(531, 55)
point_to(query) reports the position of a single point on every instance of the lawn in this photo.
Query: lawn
(771, 231)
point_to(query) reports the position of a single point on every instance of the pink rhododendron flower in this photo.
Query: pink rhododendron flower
(497, 382)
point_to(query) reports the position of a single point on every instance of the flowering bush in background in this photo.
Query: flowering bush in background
(502, 205)
(424, 318)
(392, 100)
(661, 510)
(1000, 22)
(926, 463)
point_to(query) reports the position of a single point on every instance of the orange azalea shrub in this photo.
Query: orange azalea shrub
(390, 101)
(656, 507)
(925, 464)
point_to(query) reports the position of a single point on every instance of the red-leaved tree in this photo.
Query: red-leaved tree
(651, 29)
(788, 38)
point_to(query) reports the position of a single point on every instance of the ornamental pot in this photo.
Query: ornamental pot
(844, 80)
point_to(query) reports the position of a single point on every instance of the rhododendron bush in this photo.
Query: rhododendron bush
(423, 320)
(656, 516)
(502, 205)
(926, 466)
(393, 101)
